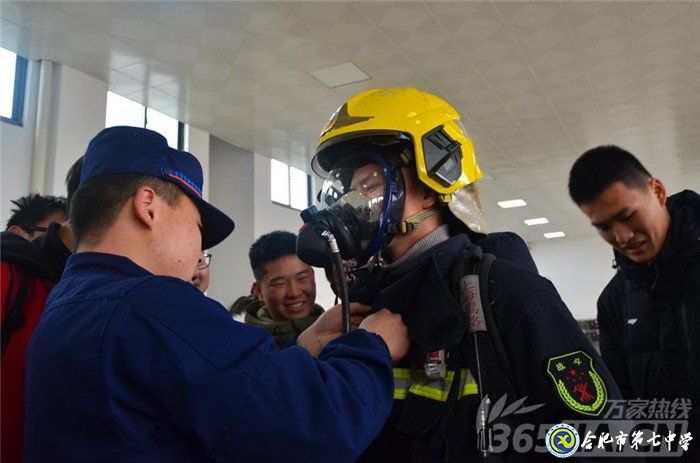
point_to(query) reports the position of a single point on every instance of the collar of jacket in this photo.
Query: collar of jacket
(665, 272)
(256, 313)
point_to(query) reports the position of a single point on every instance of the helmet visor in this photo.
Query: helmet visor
(355, 193)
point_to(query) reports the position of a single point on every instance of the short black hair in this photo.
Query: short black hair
(73, 181)
(98, 202)
(598, 168)
(33, 208)
(269, 247)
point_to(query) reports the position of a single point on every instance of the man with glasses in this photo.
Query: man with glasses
(34, 213)
(201, 276)
(131, 362)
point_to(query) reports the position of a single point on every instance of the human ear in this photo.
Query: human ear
(429, 197)
(19, 231)
(659, 190)
(257, 291)
(143, 204)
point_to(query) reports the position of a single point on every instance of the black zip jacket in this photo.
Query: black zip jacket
(649, 315)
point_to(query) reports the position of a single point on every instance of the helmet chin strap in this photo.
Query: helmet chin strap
(413, 222)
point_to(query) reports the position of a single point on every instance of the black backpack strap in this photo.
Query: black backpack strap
(14, 309)
(482, 345)
(484, 271)
(473, 265)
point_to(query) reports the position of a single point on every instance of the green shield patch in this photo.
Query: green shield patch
(577, 382)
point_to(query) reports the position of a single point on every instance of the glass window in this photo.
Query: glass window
(122, 111)
(279, 174)
(8, 63)
(163, 124)
(289, 185)
(298, 188)
(13, 70)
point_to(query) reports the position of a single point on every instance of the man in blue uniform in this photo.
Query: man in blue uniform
(397, 163)
(131, 362)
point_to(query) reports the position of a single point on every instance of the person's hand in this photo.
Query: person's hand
(392, 330)
(329, 326)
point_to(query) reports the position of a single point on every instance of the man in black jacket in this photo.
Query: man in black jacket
(649, 313)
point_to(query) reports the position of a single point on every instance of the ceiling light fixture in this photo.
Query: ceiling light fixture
(556, 234)
(340, 74)
(537, 221)
(512, 203)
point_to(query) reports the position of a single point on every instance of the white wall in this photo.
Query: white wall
(74, 107)
(77, 116)
(579, 268)
(231, 190)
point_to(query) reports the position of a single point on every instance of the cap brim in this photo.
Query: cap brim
(216, 225)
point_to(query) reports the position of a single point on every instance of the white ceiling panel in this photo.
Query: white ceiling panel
(537, 83)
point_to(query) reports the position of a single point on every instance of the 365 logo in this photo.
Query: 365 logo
(562, 440)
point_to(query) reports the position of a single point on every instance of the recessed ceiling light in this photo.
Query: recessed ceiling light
(537, 221)
(340, 74)
(556, 234)
(512, 203)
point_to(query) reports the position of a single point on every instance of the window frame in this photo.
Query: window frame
(309, 187)
(18, 93)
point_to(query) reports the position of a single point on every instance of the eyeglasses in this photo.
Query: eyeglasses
(204, 261)
(35, 229)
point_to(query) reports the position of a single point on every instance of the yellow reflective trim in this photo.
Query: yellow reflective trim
(434, 389)
(469, 389)
(402, 378)
(429, 392)
(469, 384)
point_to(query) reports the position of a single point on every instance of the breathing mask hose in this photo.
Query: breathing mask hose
(342, 282)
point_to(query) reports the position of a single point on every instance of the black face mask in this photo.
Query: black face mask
(312, 242)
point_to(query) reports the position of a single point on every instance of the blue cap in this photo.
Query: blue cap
(133, 150)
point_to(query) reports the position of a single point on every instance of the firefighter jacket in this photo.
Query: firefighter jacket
(129, 366)
(553, 364)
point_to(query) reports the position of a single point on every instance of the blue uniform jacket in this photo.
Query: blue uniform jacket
(131, 367)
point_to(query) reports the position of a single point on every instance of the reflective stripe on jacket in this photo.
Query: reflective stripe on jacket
(435, 389)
